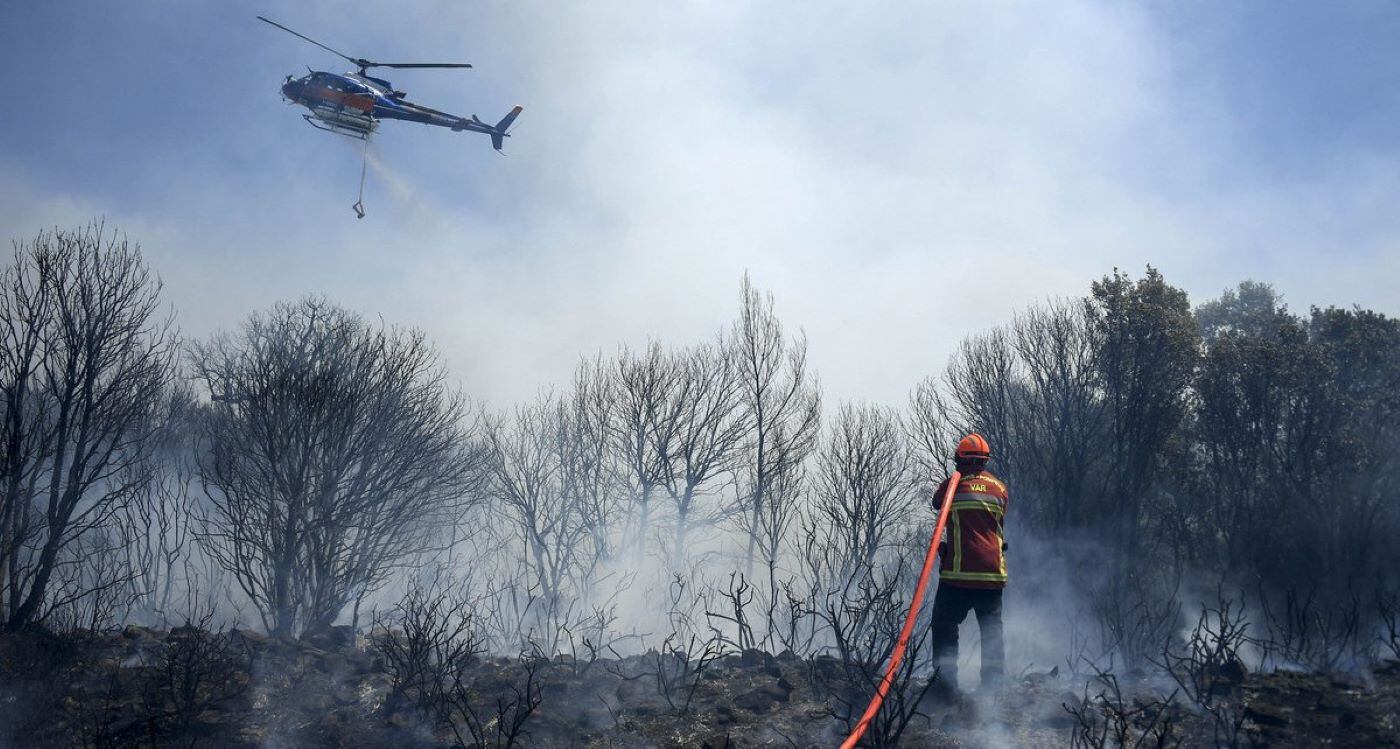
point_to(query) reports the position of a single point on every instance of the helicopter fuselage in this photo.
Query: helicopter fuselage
(353, 104)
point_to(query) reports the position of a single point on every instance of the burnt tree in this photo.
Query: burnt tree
(332, 451)
(86, 358)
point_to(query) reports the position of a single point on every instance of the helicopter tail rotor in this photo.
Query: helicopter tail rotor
(498, 133)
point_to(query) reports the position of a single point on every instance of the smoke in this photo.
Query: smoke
(397, 186)
(377, 178)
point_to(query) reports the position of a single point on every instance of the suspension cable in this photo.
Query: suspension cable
(364, 163)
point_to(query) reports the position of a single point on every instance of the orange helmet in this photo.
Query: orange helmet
(973, 447)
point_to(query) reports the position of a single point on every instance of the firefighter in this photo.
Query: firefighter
(972, 565)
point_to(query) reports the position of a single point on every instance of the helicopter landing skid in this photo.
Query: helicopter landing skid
(350, 131)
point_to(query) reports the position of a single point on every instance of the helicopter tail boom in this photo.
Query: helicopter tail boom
(498, 132)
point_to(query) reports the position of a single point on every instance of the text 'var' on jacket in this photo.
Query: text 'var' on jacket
(973, 554)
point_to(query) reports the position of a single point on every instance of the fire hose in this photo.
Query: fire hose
(898, 654)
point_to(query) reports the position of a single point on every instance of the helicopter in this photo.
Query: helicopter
(353, 104)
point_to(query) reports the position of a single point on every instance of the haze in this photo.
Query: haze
(898, 176)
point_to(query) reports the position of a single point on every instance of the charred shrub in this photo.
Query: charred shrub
(500, 721)
(428, 643)
(1136, 613)
(1317, 631)
(687, 653)
(33, 663)
(432, 646)
(864, 619)
(1105, 716)
(197, 670)
(1388, 607)
(679, 665)
(1208, 670)
(154, 693)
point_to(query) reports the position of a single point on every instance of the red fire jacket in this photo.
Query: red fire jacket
(972, 555)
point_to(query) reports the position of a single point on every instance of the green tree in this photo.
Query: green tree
(1256, 394)
(1359, 440)
(1148, 349)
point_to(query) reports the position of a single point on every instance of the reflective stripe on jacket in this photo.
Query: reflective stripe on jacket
(972, 553)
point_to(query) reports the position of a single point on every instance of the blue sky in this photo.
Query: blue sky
(899, 175)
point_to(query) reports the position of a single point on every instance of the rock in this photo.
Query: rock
(1344, 682)
(335, 663)
(717, 741)
(771, 667)
(826, 666)
(1232, 671)
(184, 630)
(1265, 718)
(761, 699)
(247, 638)
(210, 719)
(344, 693)
(331, 639)
(362, 664)
(377, 681)
(133, 632)
(316, 700)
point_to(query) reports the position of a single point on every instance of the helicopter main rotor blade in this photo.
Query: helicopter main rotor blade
(309, 39)
(419, 65)
(362, 62)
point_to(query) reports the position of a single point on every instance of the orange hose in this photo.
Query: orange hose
(903, 642)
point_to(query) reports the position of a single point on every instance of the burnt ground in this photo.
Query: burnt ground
(144, 688)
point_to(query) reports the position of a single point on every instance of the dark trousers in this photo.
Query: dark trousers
(950, 607)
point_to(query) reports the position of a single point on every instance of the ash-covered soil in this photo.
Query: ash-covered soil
(186, 687)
